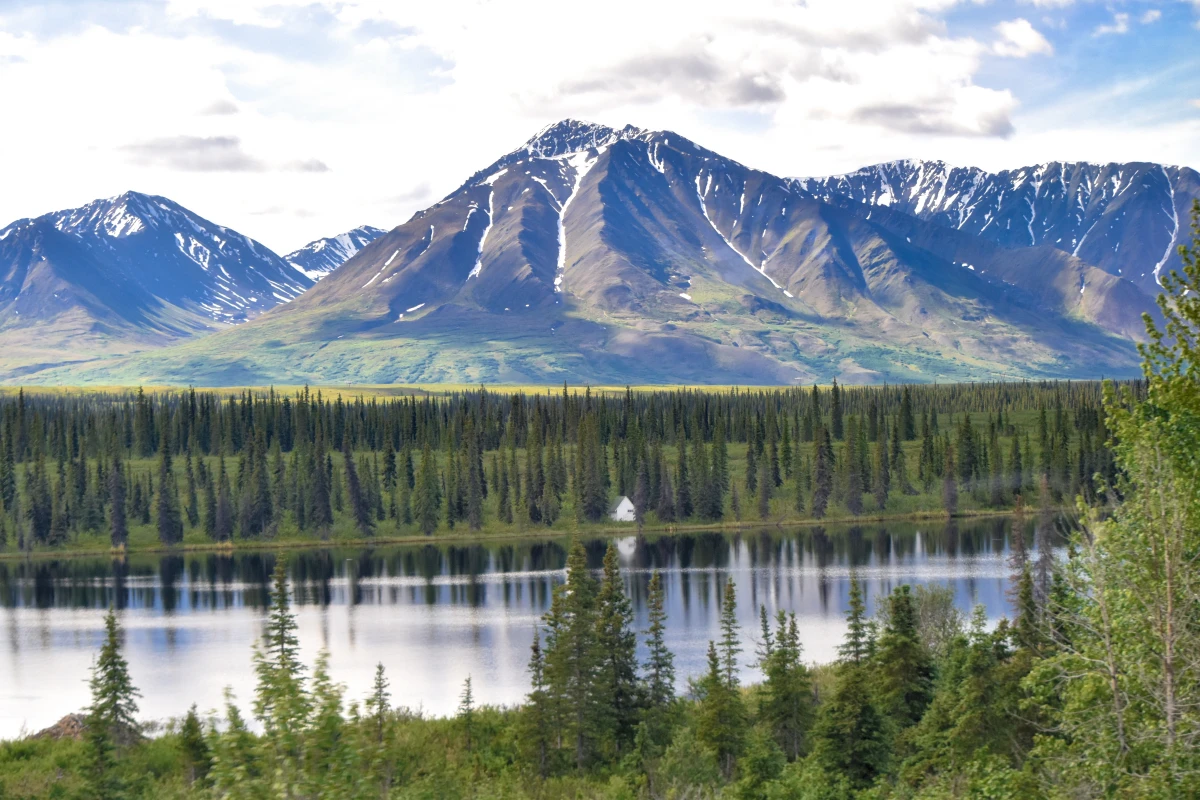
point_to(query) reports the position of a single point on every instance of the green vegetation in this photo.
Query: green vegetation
(96, 471)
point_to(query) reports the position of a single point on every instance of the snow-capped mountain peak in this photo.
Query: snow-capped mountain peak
(123, 215)
(569, 136)
(175, 256)
(1122, 217)
(321, 257)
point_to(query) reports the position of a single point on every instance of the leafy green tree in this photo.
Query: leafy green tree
(689, 767)
(1127, 630)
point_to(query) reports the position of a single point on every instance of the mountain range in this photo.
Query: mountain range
(595, 254)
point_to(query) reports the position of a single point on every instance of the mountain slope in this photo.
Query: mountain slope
(321, 257)
(621, 255)
(1127, 219)
(127, 273)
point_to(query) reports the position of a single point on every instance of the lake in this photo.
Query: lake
(434, 614)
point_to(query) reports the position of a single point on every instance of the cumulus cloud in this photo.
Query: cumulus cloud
(1151, 16)
(416, 193)
(692, 74)
(1118, 26)
(209, 154)
(195, 154)
(927, 118)
(274, 211)
(1018, 39)
(306, 165)
(219, 108)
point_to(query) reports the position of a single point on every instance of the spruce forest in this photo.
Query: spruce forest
(1091, 689)
(95, 471)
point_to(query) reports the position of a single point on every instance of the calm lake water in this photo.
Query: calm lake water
(434, 614)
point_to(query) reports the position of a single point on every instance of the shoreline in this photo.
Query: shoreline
(628, 529)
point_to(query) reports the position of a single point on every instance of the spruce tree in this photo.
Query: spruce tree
(730, 635)
(223, 517)
(537, 715)
(822, 473)
(359, 508)
(882, 477)
(907, 423)
(111, 724)
(379, 703)
(666, 498)
(425, 499)
(659, 667)
(617, 644)
(466, 713)
(835, 412)
(281, 703)
(572, 658)
(118, 524)
(721, 718)
(857, 645)
(903, 667)
(849, 738)
(787, 697)
(210, 510)
(192, 504)
(169, 519)
(683, 487)
(949, 485)
(197, 757)
(765, 484)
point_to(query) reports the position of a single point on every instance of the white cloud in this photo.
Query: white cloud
(1018, 39)
(1118, 26)
(1153, 15)
(381, 106)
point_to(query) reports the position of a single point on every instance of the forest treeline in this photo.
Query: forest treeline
(197, 466)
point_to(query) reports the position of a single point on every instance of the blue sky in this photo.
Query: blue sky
(293, 119)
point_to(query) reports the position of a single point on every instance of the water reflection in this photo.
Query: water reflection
(435, 613)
